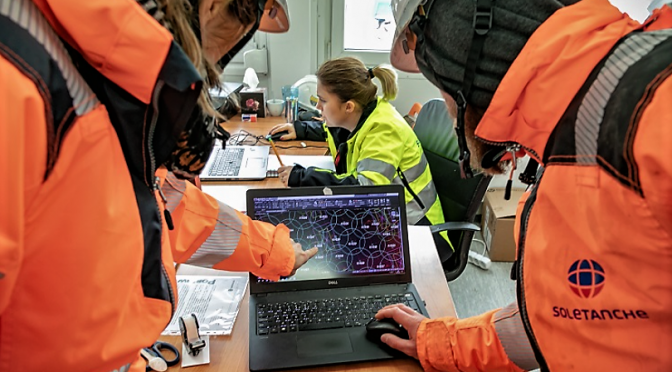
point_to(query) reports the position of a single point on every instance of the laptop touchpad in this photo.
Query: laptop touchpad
(255, 162)
(317, 345)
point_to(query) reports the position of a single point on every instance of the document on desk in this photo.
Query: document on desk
(214, 299)
(232, 195)
(318, 161)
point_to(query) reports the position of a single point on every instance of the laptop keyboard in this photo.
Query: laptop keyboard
(311, 315)
(227, 162)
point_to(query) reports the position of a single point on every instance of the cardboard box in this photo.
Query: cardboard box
(497, 224)
(253, 101)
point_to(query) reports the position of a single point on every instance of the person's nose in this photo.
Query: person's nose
(319, 105)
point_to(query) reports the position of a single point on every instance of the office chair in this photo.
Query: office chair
(460, 198)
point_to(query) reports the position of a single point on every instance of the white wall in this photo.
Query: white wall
(636, 9)
(292, 55)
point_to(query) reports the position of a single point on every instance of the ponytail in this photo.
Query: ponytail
(349, 79)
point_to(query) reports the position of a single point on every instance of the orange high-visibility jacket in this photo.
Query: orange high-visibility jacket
(590, 98)
(86, 261)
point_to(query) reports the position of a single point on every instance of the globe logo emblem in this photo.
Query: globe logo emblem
(586, 278)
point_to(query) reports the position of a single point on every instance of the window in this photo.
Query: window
(368, 25)
(362, 28)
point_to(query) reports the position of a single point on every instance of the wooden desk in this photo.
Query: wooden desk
(261, 128)
(230, 353)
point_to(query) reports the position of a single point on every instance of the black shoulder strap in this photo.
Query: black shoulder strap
(28, 42)
(600, 124)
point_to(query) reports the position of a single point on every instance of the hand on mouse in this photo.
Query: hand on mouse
(283, 174)
(410, 320)
(291, 133)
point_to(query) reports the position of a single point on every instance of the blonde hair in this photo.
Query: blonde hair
(179, 16)
(349, 79)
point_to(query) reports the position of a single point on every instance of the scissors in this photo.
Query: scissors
(156, 359)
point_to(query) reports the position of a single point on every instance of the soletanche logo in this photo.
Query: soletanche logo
(586, 278)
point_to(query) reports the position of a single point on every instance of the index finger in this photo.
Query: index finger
(397, 313)
(276, 128)
(310, 253)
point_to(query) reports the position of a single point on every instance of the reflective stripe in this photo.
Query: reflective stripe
(512, 336)
(223, 240)
(374, 165)
(364, 181)
(413, 211)
(125, 368)
(416, 171)
(173, 189)
(25, 14)
(591, 111)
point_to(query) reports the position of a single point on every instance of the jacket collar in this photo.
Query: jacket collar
(365, 115)
(114, 37)
(549, 71)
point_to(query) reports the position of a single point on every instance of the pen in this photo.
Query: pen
(276, 152)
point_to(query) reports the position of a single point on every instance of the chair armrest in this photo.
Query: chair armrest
(455, 226)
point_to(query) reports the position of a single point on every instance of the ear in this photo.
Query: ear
(350, 107)
(205, 10)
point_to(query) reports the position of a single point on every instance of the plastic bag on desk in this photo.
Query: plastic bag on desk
(214, 299)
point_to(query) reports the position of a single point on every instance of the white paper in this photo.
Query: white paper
(214, 299)
(319, 161)
(234, 196)
(203, 357)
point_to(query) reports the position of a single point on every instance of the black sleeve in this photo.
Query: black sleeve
(312, 176)
(310, 131)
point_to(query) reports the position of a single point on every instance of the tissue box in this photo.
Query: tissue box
(253, 101)
(248, 117)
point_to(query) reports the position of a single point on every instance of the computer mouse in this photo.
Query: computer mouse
(378, 327)
(276, 136)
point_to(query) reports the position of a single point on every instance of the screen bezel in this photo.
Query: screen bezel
(257, 287)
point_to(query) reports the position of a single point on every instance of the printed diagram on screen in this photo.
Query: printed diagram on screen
(350, 241)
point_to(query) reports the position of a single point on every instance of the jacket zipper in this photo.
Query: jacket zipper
(527, 209)
(510, 143)
(154, 187)
(403, 179)
(518, 265)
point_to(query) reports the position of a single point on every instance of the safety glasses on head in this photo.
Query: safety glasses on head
(272, 16)
(409, 53)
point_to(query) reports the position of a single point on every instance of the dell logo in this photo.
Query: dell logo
(332, 282)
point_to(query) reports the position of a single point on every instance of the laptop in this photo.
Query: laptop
(318, 316)
(236, 163)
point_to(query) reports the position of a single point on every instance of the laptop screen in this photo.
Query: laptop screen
(359, 231)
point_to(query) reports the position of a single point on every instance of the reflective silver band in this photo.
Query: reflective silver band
(223, 240)
(28, 16)
(374, 165)
(512, 336)
(591, 111)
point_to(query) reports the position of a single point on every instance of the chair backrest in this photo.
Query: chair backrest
(460, 198)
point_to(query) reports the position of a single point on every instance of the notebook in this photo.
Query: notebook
(317, 317)
(236, 163)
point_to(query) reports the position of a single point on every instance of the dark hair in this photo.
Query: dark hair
(349, 79)
(179, 17)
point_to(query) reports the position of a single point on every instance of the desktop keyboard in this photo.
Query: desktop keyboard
(227, 162)
(311, 315)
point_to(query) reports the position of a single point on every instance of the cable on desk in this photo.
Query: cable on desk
(244, 137)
